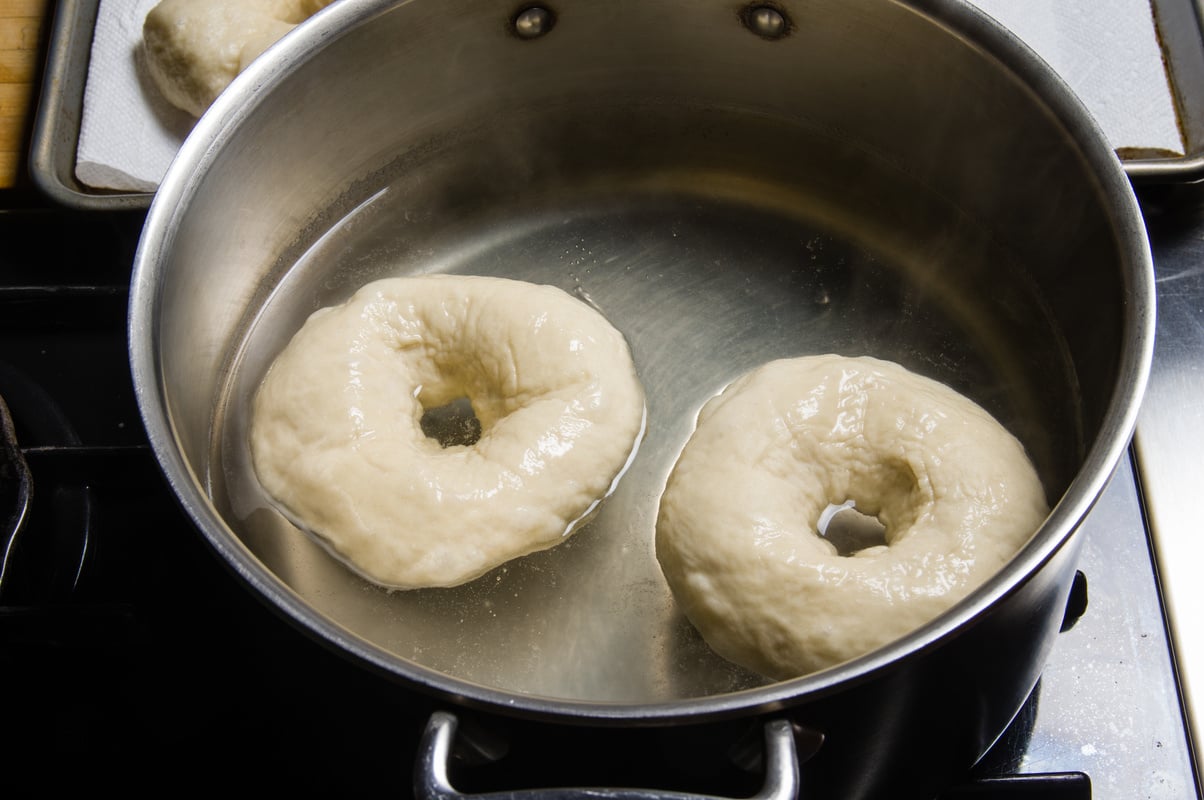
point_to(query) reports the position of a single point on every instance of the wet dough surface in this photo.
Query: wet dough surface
(337, 439)
(737, 533)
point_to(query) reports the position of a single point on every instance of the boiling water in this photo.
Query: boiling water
(704, 290)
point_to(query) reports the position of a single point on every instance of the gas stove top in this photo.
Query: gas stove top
(126, 646)
(130, 653)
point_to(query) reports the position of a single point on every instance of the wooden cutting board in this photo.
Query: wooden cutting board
(22, 23)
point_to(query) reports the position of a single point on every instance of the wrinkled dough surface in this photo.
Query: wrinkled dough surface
(737, 534)
(195, 48)
(336, 434)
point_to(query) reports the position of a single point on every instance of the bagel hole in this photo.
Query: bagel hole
(849, 530)
(452, 424)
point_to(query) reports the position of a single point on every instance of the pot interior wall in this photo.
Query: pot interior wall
(869, 184)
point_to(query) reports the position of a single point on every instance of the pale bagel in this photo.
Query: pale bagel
(195, 48)
(736, 532)
(336, 437)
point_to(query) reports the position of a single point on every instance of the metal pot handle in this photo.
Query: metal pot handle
(431, 778)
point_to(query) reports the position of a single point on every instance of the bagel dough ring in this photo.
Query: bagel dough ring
(195, 48)
(336, 437)
(736, 532)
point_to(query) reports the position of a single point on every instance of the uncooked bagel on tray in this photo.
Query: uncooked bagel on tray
(195, 48)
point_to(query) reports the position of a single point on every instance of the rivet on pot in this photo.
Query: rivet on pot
(766, 21)
(533, 22)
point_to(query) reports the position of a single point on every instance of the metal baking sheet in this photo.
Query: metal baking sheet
(56, 130)
(1178, 24)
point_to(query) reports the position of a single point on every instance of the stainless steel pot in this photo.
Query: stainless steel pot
(728, 184)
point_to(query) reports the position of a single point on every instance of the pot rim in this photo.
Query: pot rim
(223, 119)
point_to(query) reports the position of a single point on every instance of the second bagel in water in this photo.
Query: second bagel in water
(737, 532)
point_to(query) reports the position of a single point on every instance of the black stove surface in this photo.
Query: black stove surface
(130, 654)
(125, 646)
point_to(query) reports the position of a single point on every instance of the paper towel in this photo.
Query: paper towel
(1106, 50)
(128, 133)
